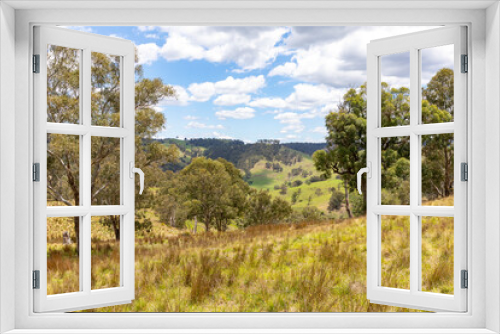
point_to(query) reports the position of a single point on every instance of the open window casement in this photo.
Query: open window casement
(422, 133)
(83, 168)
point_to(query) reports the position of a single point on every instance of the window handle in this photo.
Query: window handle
(368, 171)
(141, 176)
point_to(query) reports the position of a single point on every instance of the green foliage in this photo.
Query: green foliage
(346, 142)
(262, 208)
(311, 213)
(63, 99)
(212, 190)
(243, 156)
(336, 199)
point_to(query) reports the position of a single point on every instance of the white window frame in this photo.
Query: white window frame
(86, 43)
(484, 49)
(414, 296)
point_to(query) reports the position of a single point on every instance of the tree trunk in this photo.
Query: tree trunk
(115, 221)
(195, 224)
(76, 221)
(446, 173)
(347, 205)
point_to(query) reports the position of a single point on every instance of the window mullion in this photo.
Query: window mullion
(415, 267)
(86, 168)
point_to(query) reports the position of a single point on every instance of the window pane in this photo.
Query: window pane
(105, 89)
(63, 170)
(437, 84)
(395, 171)
(105, 171)
(437, 254)
(395, 251)
(63, 263)
(437, 170)
(63, 85)
(395, 89)
(105, 252)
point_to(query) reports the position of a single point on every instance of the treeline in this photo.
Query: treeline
(243, 156)
(307, 148)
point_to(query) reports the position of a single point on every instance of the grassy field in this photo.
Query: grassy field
(319, 192)
(308, 267)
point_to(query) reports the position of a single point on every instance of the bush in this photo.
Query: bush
(316, 178)
(358, 208)
(335, 202)
(311, 213)
(296, 183)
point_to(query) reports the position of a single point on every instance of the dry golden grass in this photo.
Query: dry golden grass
(308, 267)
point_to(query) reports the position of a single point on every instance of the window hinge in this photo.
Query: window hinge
(36, 63)
(465, 279)
(465, 64)
(36, 279)
(464, 167)
(36, 172)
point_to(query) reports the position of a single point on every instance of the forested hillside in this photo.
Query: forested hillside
(243, 156)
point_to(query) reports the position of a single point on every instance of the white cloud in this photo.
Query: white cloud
(248, 47)
(202, 92)
(320, 130)
(147, 53)
(231, 99)
(191, 118)
(220, 135)
(335, 57)
(181, 98)
(267, 102)
(198, 125)
(250, 84)
(292, 122)
(306, 96)
(238, 113)
(152, 36)
(292, 136)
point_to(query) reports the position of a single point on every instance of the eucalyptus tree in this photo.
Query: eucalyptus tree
(63, 100)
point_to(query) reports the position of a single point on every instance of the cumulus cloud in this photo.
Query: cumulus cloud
(238, 113)
(332, 57)
(306, 96)
(248, 47)
(198, 125)
(274, 102)
(231, 99)
(147, 53)
(191, 118)
(292, 122)
(181, 98)
(202, 92)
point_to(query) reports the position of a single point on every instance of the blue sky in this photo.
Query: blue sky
(253, 83)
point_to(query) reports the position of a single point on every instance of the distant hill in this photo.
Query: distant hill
(243, 156)
(307, 148)
(285, 170)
